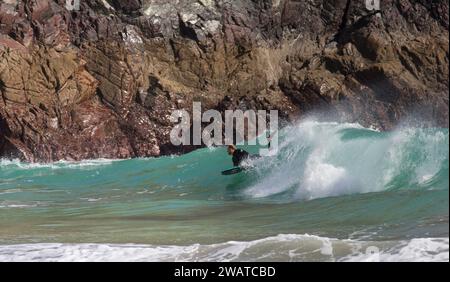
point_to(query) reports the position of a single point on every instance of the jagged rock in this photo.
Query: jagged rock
(103, 80)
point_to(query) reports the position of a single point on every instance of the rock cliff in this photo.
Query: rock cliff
(101, 80)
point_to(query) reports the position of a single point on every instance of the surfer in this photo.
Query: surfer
(238, 155)
(241, 155)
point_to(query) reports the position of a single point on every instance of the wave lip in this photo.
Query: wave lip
(283, 247)
(320, 160)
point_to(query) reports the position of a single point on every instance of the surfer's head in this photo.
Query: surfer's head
(231, 149)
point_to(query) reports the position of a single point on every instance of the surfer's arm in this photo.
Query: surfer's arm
(236, 161)
(269, 145)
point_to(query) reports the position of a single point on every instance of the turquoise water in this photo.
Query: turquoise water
(332, 191)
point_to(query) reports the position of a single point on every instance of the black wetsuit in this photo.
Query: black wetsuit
(239, 156)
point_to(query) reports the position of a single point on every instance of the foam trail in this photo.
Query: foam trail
(17, 164)
(283, 247)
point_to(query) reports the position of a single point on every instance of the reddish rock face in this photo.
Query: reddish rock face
(102, 81)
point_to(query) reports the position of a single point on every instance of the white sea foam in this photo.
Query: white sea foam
(17, 164)
(20, 205)
(278, 248)
(318, 160)
(415, 250)
(10, 191)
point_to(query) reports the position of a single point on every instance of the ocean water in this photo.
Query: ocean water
(334, 192)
